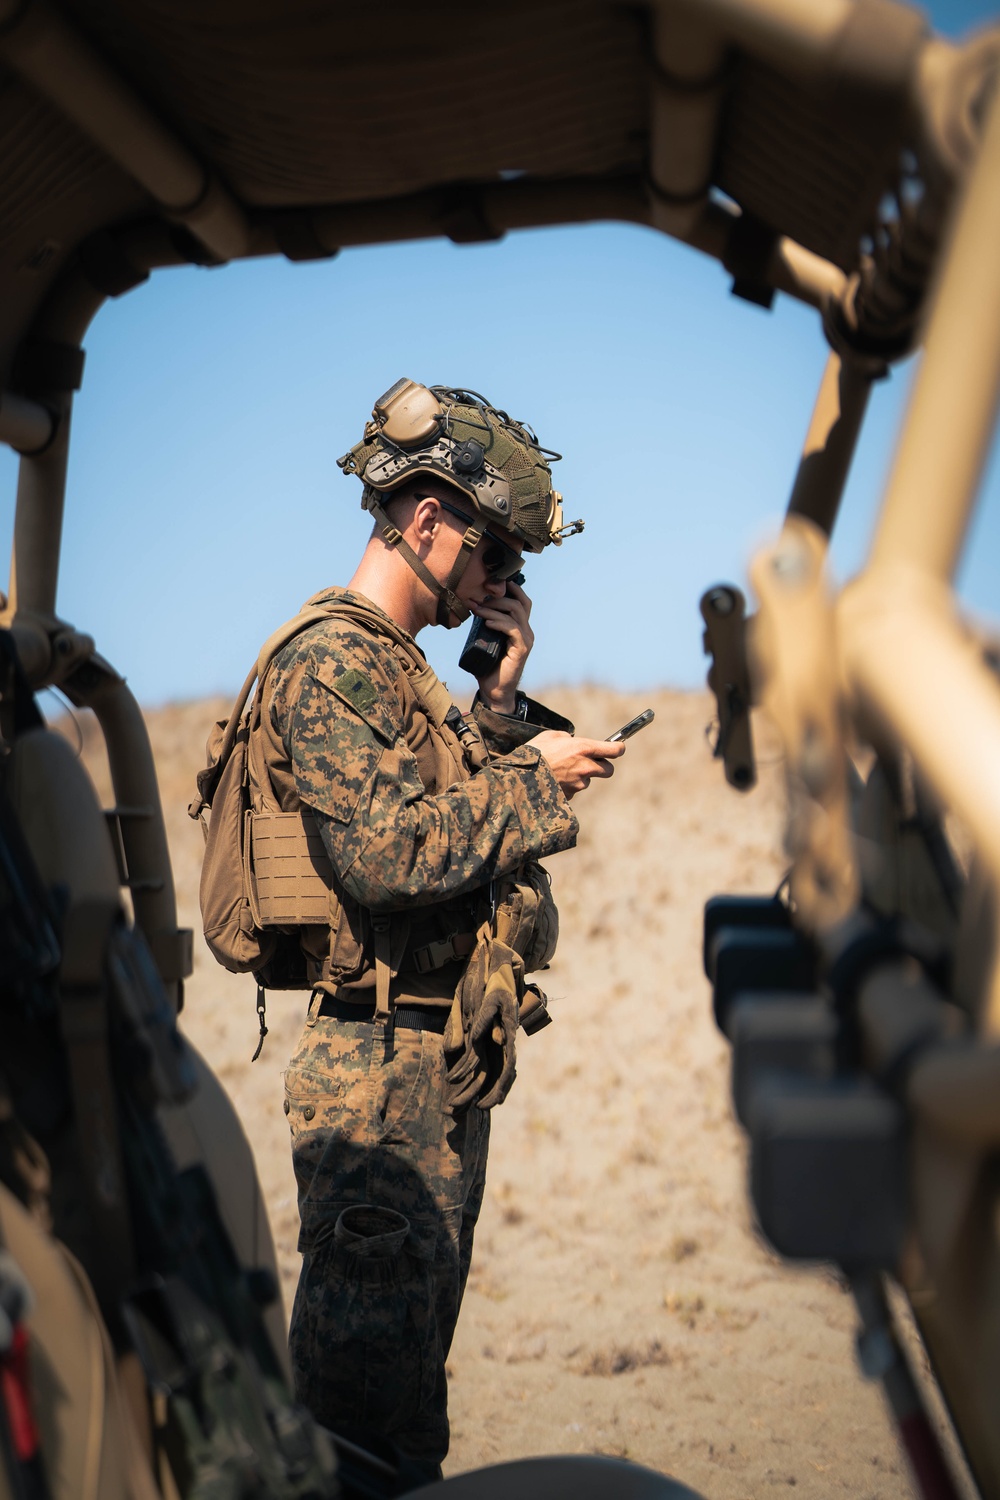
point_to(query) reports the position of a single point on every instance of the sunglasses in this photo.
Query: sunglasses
(499, 561)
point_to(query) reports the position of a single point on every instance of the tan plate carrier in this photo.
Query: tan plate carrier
(286, 876)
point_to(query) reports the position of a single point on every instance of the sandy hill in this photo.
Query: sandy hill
(619, 1300)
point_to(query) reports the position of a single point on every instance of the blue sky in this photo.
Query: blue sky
(205, 503)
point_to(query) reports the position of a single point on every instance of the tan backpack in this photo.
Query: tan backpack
(230, 907)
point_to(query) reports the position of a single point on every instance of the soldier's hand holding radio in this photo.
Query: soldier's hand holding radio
(498, 647)
(499, 643)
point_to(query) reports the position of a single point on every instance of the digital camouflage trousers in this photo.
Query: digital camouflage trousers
(389, 1190)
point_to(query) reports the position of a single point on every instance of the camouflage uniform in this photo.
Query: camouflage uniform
(389, 1182)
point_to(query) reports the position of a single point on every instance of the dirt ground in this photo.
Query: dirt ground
(620, 1301)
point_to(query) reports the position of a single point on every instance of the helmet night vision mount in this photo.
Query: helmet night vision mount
(455, 435)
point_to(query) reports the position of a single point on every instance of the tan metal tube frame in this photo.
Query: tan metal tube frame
(787, 33)
(907, 663)
(831, 440)
(53, 652)
(142, 830)
(25, 425)
(42, 475)
(687, 95)
(47, 51)
(891, 654)
(38, 521)
(529, 205)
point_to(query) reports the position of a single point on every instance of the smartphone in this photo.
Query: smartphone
(632, 727)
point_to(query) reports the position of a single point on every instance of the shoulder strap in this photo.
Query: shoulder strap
(269, 650)
(433, 695)
(431, 692)
(373, 619)
(424, 680)
(310, 614)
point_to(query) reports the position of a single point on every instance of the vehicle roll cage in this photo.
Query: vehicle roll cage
(887, 661)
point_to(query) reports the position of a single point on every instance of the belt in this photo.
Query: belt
(412, 1017)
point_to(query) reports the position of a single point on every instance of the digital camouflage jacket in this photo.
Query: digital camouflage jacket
(409, 827)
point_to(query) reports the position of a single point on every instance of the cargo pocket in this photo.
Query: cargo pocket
(363, 1340)
(399, 1088)
(327, 1118)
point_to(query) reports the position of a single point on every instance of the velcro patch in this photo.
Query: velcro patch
(363, 694)
(358, 689)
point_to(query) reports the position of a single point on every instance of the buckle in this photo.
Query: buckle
(433, 955)
(442, 951)
(534, 1013)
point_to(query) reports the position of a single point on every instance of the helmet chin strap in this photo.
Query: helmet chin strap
(448, 602)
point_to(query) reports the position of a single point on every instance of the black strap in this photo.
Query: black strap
(410, 1017)
(84, 1020)
(20, 711)
(261, 1015)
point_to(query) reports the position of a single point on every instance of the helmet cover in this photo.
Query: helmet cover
(455, 434)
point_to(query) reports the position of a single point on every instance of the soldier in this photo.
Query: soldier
(434, 825)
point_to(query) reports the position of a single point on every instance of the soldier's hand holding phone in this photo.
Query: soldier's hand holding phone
(575, 761)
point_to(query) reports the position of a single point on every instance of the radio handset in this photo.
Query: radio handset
(485, 648)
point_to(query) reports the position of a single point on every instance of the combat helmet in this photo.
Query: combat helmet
(496, 463)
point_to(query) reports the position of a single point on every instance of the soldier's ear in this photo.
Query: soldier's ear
(426, 518)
